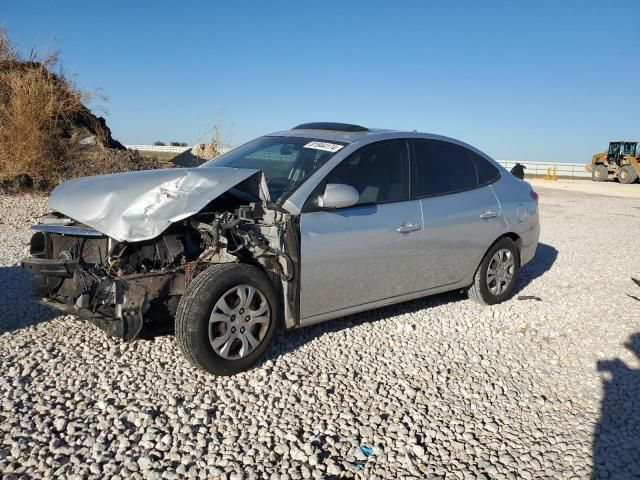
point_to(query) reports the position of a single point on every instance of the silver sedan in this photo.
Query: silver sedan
(290, 229)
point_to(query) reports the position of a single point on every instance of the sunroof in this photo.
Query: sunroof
(341, 127)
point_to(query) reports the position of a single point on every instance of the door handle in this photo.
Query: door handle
(408, 227)
(488, 214)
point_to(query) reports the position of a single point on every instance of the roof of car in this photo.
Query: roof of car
(350, 133)
(340, 132)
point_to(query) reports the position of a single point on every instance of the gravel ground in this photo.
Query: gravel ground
(436, 388)
(610, 188)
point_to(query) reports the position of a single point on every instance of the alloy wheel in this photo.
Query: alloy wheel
(500, 271)
(239, 322)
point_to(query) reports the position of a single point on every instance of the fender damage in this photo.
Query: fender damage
(121, 249)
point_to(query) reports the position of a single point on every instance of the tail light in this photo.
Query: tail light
(534, 196)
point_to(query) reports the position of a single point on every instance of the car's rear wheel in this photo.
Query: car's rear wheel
(226, 318)
(627, 174)
(599, 173)
(497, 274)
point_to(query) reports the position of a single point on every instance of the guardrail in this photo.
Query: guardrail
(158, 148)
(572, 170)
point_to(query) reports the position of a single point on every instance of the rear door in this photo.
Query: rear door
(461, 214)
(360, 254)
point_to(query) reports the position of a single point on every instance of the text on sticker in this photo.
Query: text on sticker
(328, 147)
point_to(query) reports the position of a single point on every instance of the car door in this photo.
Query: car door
(461, 214)
(367, 252)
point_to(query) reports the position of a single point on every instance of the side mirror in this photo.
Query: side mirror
(338, 195)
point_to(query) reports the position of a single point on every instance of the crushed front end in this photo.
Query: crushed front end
(130, 287)
(121, 249)
(115, 285)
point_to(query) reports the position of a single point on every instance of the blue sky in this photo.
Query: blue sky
(543, 80)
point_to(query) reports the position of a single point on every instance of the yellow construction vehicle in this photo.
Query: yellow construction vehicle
(622, 161)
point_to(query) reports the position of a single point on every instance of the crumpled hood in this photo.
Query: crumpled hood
(136, 206)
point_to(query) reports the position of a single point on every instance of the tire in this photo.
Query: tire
(240, 339)
(599, 173)
(484, 291)
(627, 174)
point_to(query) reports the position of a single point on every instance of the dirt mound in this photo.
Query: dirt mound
(48, 135)
(47, 132)
(108, 160)
(90, 161)
(79, 123)
(196, 156)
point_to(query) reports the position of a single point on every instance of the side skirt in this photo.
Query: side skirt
(323, 317)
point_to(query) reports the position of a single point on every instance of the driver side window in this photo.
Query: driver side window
(380, 173)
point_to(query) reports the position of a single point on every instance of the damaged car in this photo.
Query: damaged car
(293, 228)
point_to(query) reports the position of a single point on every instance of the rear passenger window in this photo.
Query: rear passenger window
(487, 173)
(442, 168)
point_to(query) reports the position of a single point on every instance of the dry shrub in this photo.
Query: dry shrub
(43, 117)
(213, 148)
(35, 112)
(7, 48)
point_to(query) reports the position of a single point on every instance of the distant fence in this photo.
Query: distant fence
(158, 148)
(573, 170)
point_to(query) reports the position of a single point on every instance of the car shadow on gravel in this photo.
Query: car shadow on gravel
(616, 437)
(540, 264)
(289, 341)
(18, 309)
(292, 340)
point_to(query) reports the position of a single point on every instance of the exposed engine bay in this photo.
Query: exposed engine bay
(126, 286)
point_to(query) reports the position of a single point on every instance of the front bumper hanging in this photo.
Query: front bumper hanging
(117, 305)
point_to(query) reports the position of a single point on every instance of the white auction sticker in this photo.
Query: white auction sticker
(327, 147)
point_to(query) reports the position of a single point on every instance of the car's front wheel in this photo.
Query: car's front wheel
(497, 274)
(226, 318)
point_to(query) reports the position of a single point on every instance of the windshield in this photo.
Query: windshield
(629, 148)
(285, 161)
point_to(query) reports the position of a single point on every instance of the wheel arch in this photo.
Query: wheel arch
(273, 278)
(511, 235)
(194, 309)
(478, 289)
(276, 282)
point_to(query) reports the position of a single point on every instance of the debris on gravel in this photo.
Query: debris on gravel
(435, 388)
